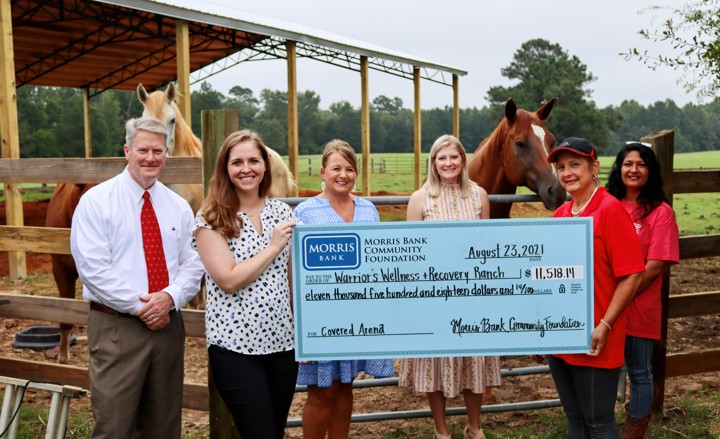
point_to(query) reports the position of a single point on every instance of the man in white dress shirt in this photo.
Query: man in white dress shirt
(136, 336)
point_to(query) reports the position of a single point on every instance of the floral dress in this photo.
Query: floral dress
(450, 375)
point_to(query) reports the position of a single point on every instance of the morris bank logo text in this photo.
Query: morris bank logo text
(331, 252)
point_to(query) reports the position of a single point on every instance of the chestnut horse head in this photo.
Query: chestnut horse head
(515, 154)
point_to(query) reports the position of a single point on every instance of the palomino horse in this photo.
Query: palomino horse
(515, 154)
(161, 105)
(181, 142)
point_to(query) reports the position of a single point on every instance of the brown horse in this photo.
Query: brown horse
(59, 214)
(515, 154)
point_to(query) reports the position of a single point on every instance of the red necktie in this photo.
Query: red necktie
(152, 244)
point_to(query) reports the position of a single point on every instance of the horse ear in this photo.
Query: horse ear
(170, 92)
(142, 93)
(544, 111)
(510, 110)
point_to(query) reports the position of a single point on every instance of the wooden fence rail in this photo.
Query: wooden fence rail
(188, 170)
(195, 395)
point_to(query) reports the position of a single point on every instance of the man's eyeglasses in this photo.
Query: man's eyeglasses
(645, 144)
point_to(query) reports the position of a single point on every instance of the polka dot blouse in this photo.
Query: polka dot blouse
(256, 319)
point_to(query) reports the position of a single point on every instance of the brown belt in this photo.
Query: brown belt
(99, 307)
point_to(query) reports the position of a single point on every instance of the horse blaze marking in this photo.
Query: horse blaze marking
(540, 133)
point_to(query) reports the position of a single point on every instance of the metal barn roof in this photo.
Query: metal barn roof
(117, 44)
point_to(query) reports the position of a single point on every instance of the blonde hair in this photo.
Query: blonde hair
(222, 204)
(341, 147)
(432, 182)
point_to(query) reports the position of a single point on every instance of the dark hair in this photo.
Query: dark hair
(221, 205)
(652, 194)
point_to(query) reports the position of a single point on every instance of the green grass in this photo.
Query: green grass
(33, 423)
(697, 214)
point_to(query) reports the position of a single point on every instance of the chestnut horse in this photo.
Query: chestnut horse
(59, 214)
(515, 154)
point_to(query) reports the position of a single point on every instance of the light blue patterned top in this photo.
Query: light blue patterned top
(317, 210)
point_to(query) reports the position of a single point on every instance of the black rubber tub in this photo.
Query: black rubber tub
(39, 337)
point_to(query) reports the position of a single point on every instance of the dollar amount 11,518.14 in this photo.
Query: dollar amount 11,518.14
(559, 272)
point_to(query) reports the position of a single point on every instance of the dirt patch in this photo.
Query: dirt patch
(684, 335)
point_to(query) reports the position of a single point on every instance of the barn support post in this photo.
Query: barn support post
(365, 124)
(417, 128)
(456, 106)
(293, 129)
(216, 125)
(86, 125)
(664, 147)
(182, 42)
(9, 134)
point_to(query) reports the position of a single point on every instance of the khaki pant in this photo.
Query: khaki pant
(136, 376)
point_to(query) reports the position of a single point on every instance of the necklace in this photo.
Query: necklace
(576, 213)
(249, 214)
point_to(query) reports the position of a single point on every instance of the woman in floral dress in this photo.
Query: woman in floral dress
(448, 194)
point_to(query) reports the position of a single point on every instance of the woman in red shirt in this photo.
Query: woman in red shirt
(587, 382)
(635, 180)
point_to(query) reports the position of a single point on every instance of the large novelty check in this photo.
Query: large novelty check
(444, 288)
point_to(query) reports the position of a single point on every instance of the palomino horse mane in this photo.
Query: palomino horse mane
(515, 154)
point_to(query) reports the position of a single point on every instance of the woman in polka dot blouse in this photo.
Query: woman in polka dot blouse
(242, 238)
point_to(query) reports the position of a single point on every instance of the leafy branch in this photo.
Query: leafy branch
(693, 33)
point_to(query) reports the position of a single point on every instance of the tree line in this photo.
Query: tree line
(51, 121)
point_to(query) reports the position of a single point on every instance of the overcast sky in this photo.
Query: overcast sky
(478, 36)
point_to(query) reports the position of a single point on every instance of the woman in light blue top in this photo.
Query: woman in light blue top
(329, 404)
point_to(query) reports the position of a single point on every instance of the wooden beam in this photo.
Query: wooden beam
(95, 170)
(194, 395)
(56, 309)
(691, 182)
(417, 129)
(699, 246)
(292, 99)
(692, 363)
(216, 125)
(456, 106)
(35, 239)
(663, 142)
(365, 124)
(182, 43)
(697, 304)
(10, 148)
(664, 147)
(86, 122)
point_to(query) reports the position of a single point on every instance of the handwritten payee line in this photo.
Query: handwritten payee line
(411, 281)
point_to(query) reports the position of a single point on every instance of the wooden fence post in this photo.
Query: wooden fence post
(664, 147)
(216, 125)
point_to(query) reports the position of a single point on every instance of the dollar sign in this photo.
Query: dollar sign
(527, 273)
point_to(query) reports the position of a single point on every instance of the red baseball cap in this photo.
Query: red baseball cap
(576, 145)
